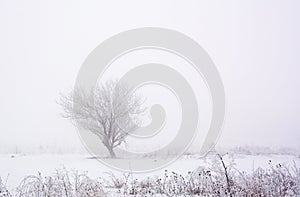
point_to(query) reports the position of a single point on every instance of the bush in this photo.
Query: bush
(219, 179)
(3, 191)
(62, 184)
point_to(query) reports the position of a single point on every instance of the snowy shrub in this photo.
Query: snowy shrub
(220, 178)
(62, 184)
(3, 191)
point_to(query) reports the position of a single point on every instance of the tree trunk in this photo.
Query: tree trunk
(112, 153)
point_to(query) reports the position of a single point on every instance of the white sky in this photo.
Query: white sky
(254, 44)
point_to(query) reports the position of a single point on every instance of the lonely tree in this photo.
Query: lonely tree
(110, 111)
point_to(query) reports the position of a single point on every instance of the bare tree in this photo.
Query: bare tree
(110, 111)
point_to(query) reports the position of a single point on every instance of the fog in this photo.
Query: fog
(254, 44)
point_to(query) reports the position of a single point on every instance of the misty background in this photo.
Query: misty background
(254, 44)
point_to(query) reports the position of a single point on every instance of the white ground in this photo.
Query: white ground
(13, 169)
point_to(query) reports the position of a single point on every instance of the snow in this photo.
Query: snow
(13, 168)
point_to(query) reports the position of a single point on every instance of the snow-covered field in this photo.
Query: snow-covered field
(13, 168)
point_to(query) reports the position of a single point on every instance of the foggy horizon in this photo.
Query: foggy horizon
(254, 45)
